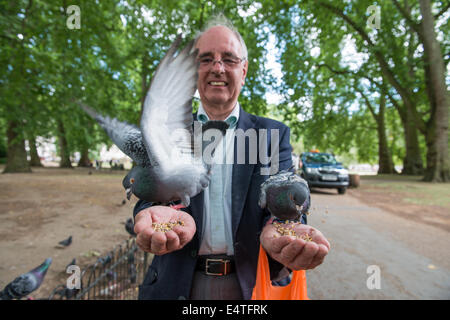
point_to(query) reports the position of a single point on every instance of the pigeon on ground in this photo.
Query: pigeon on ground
(132, 273)
(129, 226)
(111, 275)
(26, 283)
(68, 293)
(130, 258)
(286, 195)
(169, 166)
(105, 260)
(72, 263)
(67, 242)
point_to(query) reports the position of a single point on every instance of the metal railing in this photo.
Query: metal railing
(115, 276)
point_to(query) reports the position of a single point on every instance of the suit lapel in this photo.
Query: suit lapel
(197, 213)
(242, 173)
(196, 207)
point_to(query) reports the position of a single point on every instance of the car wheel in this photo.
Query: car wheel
(342, 190)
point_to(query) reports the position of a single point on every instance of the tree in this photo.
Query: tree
(438, 162)
(325, 26)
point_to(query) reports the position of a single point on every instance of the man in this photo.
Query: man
(214, 256)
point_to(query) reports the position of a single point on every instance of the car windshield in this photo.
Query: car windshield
(320, 158)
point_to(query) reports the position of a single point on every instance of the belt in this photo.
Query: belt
(216, 266)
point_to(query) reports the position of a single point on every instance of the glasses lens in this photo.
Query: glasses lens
(227, 63)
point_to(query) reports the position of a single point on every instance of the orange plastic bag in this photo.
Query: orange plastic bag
(263, 290)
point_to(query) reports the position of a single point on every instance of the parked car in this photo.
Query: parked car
(323, 171)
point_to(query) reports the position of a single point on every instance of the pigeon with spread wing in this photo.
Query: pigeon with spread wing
(169, 166)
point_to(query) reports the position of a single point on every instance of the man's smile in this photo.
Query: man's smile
(218, 83)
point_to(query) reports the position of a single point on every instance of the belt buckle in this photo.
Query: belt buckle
(216, 260)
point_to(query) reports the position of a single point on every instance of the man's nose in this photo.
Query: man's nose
(218, 66)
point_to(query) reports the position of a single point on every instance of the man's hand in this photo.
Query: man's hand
(158, 242)
(296, 254)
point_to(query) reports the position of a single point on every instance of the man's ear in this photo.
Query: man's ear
(244, 72)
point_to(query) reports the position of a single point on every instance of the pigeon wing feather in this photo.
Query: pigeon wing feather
(167, 119)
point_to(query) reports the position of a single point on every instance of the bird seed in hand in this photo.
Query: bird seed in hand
(167, 226)
(287, 230)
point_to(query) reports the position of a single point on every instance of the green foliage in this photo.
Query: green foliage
(332, 71)
(108, 63)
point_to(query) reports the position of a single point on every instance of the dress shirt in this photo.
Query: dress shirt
(217, 231)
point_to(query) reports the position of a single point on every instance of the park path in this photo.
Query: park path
(413, 258)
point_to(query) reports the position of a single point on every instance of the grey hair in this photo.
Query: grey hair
(221, 20)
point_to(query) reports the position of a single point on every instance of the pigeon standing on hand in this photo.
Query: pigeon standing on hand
(67, 242)
(286, 196)
(26, 283)
(169, 166)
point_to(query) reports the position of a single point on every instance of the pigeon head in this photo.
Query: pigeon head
(285, 195)
(139, 181)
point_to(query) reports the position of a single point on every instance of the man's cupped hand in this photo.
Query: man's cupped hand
(162, 230)
(293, 251)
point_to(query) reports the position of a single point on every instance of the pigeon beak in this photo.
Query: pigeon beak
(129, 193)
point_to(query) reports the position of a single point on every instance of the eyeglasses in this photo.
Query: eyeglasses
(229, 63)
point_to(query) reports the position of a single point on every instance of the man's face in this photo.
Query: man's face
(219, 83)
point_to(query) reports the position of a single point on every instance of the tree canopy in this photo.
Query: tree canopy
(362, 79)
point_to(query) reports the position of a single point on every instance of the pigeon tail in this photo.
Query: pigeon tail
(89, 110)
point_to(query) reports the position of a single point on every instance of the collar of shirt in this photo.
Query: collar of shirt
(232, 118)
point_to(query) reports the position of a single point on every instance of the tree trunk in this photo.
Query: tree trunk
(84, 159)
(35, 161)
(438, 162)
(17, 155)
(63, 147)
(385, 163)
(412, 162)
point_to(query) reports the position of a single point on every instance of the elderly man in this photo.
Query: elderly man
(220, 261)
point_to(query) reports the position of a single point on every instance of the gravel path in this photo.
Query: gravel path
(413, 258)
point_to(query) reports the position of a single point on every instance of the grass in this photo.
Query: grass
(410, 189)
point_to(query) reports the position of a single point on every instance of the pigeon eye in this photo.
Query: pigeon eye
(132, 180)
